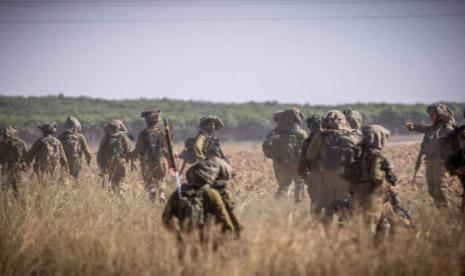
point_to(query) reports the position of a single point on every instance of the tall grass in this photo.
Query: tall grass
(67, 228)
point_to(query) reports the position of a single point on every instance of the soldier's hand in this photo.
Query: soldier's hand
(409, 125)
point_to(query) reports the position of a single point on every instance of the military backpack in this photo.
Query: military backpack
(155, 141)
(71, 143)
(284, 146)
(340, 148)
(192, 207)
(13, 151)
(49, 152)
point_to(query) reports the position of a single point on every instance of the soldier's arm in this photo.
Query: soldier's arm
(198, 146)
(85, 147)
(23, 151)
(63, 160)
(100, 153)
(302, 134)
(127, 147)
(219, 210)
(139, 149)
(421, 128)
(302, 167)
(314, 147)
(33, 151)
(377, 174)
(169, 212)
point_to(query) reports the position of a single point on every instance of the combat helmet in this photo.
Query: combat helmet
(291, 116)
(114, 126)
(335, 119)
(218, 122)
(375, 136)
(8, 131)
(151, 115)
(49, 127)
(445, 114)
(314, 123)
(73, 123)
(354, 118)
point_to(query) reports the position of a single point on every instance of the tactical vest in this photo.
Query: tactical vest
(114, 147)
(340, 148)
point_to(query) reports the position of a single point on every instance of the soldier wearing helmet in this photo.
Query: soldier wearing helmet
(113, 153)
(13, 153)
(197, 204)
(206, 144)
(283, 145)
(75, 145)
(434, 150)
(48, 153)
(151, 153)
(327, 153)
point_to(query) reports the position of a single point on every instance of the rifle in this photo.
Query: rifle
(421, 153)
(169, 145)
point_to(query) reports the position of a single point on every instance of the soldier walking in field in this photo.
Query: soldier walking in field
(328, 152)
(13, 154)
(75, 145)
(434, 150)
(47, 153)
(113, 154)
(283, 145)
(150, 149)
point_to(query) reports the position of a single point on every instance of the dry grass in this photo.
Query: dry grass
(68, 228)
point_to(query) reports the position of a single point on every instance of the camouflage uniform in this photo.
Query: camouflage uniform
(304, 168)
(285, 143)
(372, 191)
(13, 155)
(209, 206)
(206, 144)
(326, 165)
(151, 152)
(48, 153)
(113, 154)
(434, 151)
(75, 144)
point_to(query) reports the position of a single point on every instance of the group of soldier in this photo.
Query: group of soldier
(341, 163)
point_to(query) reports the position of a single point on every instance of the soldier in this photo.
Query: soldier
(434, 151)
(48, 153)
(113, 153)
(197, 204)
(314, 125)
(13, 155)
(151, 152)
(206, 144)
(354, 118)
(328, 152)
(75, 144)
(371, 184)
(283, 145)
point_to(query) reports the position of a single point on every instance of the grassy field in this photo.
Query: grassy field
(67, 228)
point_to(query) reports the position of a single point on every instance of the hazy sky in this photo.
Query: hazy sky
(315, 51)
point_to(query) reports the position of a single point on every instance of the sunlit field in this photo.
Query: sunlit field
(66, 228)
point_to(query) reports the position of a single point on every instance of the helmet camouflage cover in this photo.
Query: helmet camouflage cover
(445, 114)
(73, 123)
(48, 127)
(354, 118)
(151, 115)
(291, 116)
(375, 136)
(335, 119)
(8, 131)
(218, 122)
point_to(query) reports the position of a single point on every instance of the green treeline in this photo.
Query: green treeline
(245, 121)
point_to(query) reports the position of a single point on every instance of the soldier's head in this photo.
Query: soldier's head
(210, 123)
(151, 116)
(439, 112)
(354, 118)
(291, 116)
(203, 172)
(225, 171)
(114, 126)
(72, 123)
(374, 136)
(314, 123)
(48, 128)
(277, 117)
(8, 131)
(335, 119)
